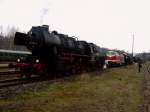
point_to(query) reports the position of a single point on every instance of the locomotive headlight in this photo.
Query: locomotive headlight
(18, 60)
(37, 60)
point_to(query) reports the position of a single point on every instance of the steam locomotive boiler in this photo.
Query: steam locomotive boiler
(53, 53)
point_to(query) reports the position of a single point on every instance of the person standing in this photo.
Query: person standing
(139, 65)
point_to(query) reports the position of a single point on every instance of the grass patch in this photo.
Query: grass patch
(115, 90)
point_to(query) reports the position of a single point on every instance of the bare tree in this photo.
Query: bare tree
(7, 41)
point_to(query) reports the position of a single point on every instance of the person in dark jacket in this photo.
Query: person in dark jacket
(139, 65)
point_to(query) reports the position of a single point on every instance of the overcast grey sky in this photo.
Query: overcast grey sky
(108, 23)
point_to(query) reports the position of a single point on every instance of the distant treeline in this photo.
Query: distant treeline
(8, 43)
(7, 40)
(145, 56)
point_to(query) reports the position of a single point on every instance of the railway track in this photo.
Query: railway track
(17, 81)
(14, 79)
(148, 69)
(10, 77)
(9, 74)
(13, 87)
(146, 88)
(10, 82)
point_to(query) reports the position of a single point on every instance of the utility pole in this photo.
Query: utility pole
(132, 44)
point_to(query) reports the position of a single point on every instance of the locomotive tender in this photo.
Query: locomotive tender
(53, 52)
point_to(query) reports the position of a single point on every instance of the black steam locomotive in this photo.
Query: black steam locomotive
(54, 53)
